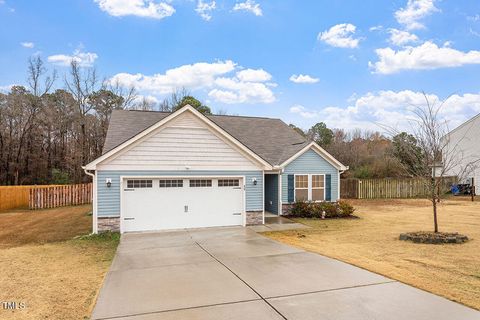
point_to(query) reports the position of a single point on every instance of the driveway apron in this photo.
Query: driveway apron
(234, 273)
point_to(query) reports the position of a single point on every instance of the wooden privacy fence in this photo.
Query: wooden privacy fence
(16, 197)
(59, 196)
(388, 188)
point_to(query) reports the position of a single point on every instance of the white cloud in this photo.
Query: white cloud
(377, 110)
(245, 86)
(254, 75)
(204, 9)
(303, 78)
(234, 90)
(340, 35)
(400, 38)
(303, 112)
(7, 88)
(190, 76)
(146, 98)
(29, 45)
(140, 8)
(475, 33)
(84, 59)
(375, 28)
(474, 18)
(249, 5)
(415, 11)
(426, 56)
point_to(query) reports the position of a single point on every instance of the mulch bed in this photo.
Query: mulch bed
(433, 237)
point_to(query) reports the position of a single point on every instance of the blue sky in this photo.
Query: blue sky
(348, 63)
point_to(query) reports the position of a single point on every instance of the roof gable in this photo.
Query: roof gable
(271, 139)
(321, 152)
(470, 122)
(183, 143)
(167, 118)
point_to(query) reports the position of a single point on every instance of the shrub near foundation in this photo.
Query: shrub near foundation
(321, 210)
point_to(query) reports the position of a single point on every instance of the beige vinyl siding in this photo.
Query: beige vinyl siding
(184, 142)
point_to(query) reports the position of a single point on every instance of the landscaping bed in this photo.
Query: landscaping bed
(434, 237)
(321, 210)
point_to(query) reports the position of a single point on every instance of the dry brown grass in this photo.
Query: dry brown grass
(21, 227)
(449, 270)
(57, 278)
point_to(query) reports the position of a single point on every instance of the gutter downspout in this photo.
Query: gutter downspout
(94, 199)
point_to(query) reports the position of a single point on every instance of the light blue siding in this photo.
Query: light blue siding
(271, 193)
(109, 198)
(310, 162)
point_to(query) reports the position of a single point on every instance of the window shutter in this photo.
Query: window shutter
(328, 187)
(291, 188)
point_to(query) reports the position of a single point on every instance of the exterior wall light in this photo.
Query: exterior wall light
(108, 181)
(254, 180)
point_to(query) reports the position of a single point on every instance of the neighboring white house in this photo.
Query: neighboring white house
(464, 152)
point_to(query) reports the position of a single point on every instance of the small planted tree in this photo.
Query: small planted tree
(427, 153)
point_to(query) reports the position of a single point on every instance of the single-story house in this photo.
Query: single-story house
(184, 169)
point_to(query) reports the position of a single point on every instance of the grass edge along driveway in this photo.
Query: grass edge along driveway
(371, 242)
(49, 262)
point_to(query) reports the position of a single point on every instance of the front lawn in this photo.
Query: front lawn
(371, 242)
(46, 267)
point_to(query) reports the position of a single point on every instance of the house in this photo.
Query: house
(183, 169)
(463, 152)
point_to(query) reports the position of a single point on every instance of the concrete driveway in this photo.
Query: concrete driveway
(234, 273)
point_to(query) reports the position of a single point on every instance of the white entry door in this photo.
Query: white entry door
(177, 203)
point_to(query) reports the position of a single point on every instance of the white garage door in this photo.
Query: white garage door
(175, 203)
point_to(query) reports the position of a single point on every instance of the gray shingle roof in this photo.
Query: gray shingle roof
(271, 139)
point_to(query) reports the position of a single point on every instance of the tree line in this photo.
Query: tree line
(47, 134)
(368, 154)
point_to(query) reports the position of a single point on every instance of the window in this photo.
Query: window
(228, 183)
(200, 183)
(310, 187)
(170, 183)
(301, 187)
(137, 183)
(318, 187)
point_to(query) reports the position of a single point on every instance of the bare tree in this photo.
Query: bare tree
(168, 104)
(82, 83)
(35, 72)
(433, 152)
(129, 94)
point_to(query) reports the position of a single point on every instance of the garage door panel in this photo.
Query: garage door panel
(204, 204)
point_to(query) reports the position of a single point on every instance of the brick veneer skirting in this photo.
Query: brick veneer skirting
(108, 224)
(113, 223)
(254, 217)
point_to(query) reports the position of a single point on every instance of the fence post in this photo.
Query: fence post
(473, 189)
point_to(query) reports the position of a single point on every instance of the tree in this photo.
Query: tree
(82, 84)
(321, 134)
(195, 103)
(104, 102)
(47, 136)
(430, 155)
(407, 151)
(297, 129)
